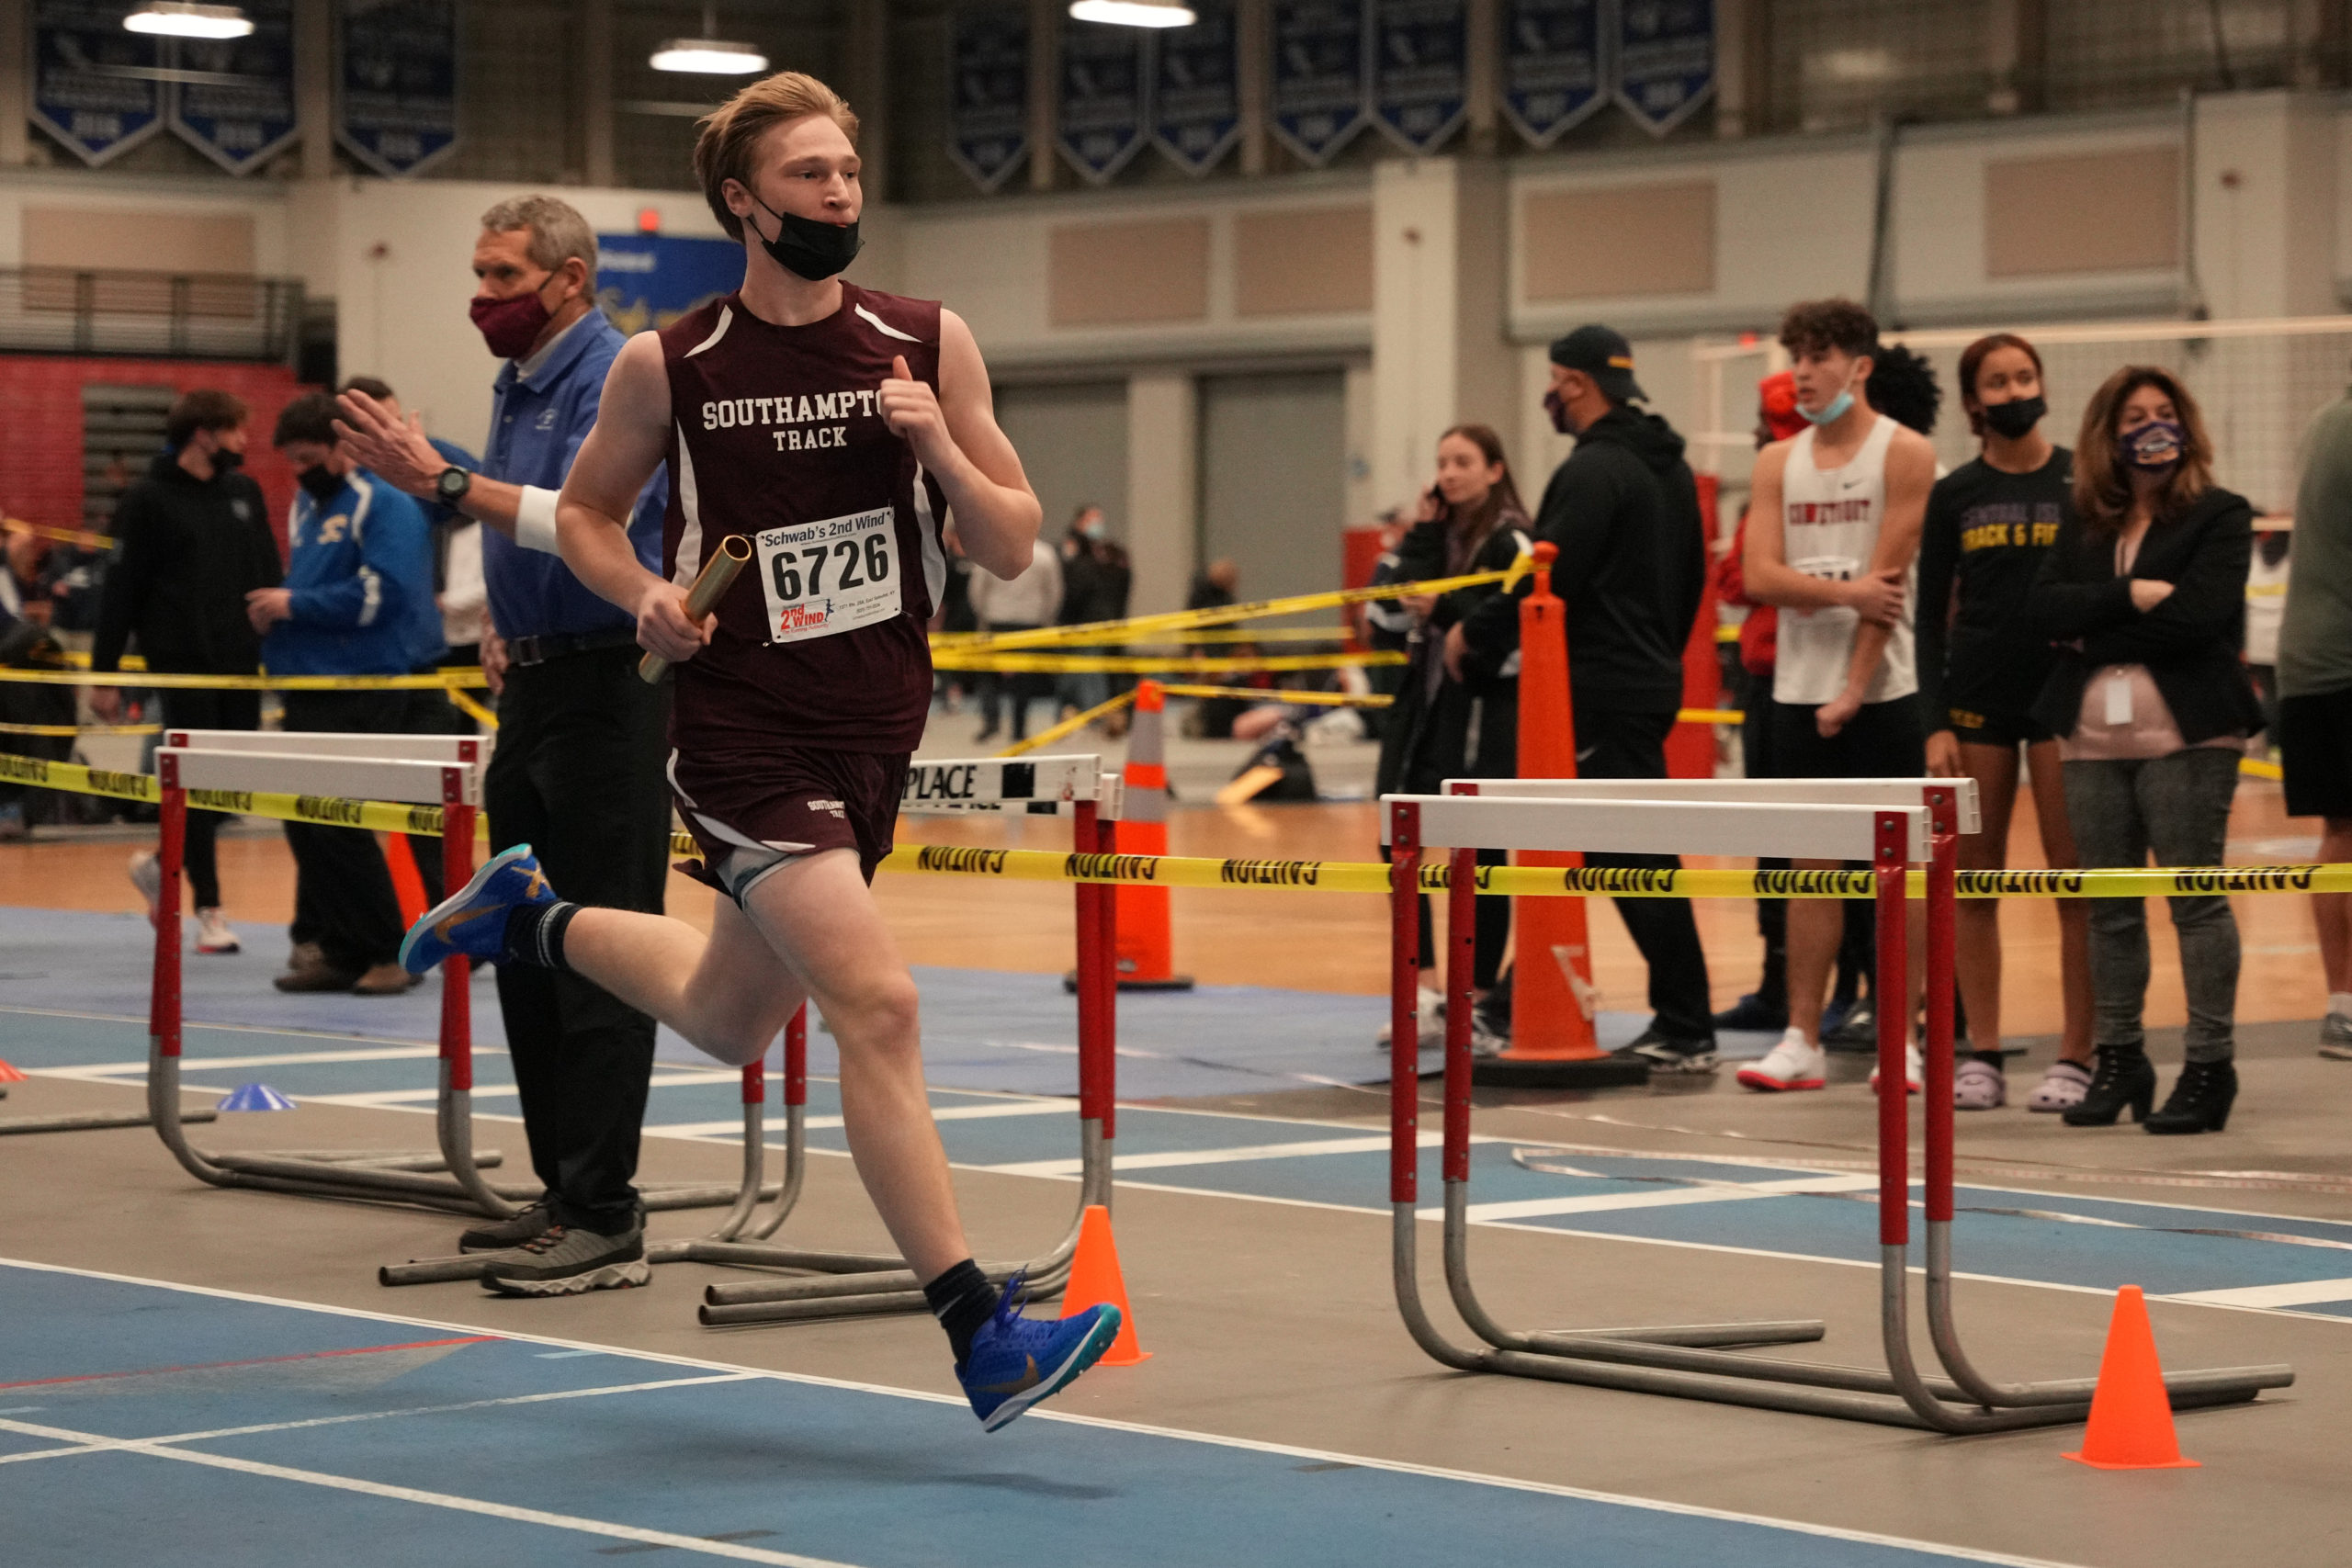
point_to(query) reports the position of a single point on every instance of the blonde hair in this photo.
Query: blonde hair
(729, 132)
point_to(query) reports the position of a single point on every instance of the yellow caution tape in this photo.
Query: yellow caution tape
(1709, 716)
(80, 728)
(1266, 695)
(471, 676)
(1072, 663)
(470, 708)
(1068, 726)
(947, 641)
(87, 540)
(1305, 875)
(1137, 628)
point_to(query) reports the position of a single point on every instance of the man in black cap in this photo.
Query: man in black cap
(1624, 510)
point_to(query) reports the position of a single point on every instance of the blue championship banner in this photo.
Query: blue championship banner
(647, 281)
(1106, 73)
(236, 107)
(1665, 60)
(988, 96)
(1319, 75)
(1197, 89)
(81, 93)
(1555, 67)
(1420, 62)
(396, 82)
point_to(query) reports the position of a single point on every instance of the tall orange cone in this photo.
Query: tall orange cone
(1553, 1000)
(408, 887)
(2131, 1425)
(1147, 954)
(9, 1073)
(1094, 1279)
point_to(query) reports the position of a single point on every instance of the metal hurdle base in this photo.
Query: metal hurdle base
(88, 1124)
(1573, 1072)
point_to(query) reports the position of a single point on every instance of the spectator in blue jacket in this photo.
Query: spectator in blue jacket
(357, 599)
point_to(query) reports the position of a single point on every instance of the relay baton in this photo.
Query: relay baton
(718, 577)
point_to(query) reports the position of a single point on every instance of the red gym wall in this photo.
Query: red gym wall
(40, 410)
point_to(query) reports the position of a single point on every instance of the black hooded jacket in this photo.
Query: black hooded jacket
(187, 551)
(1633, 566)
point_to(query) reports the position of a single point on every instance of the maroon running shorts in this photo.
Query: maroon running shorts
(797, 800)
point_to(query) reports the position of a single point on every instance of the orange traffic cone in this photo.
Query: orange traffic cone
(2131, 1425)
(9, 1073)
(408, 887)
(1146, 957)
(1094, 1279)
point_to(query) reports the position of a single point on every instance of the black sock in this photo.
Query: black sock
(962, 1299)
(535, 933)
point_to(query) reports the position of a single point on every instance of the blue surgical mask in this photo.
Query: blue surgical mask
(2155, 446)
(1834, 413)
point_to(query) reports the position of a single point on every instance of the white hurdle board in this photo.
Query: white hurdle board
(401, 748)
(1891, 793)
(1036, 786)
(400, 780)
(1658, 828)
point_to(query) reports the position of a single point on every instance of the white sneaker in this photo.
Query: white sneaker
(1430, 1020)
(147, 876)
(2335, 1037)
(212, 933)
(1791, 1064)
(1914, 1070)
(2061, 1088)
(1979, 1085)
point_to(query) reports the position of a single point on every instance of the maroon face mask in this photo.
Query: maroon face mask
(510, 326)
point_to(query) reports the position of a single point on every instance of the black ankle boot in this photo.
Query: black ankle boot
(2124, 1077)
(2200, 1101)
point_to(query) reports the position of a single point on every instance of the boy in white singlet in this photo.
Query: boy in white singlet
(1832, 539)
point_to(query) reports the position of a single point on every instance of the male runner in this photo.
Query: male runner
(1833, 537)
(833, 428)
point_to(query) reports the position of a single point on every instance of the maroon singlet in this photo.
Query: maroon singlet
(774, 435)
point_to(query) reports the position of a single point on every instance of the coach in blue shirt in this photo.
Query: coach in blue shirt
(578, 769)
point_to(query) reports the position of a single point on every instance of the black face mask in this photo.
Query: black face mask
(323, 484)
(1556, 406)
(2015, 417)
(225, 461)
(807, 248)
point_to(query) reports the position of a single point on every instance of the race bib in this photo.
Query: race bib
(1830, 568)
(823, 579)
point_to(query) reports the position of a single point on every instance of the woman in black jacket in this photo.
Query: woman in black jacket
(1464, 723)
(2146, 592)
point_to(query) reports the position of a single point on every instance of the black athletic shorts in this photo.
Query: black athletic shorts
(2316, 744)
(795, 800)
(1884, 740)
(2007, 731)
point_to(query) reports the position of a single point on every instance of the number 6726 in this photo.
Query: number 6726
(843, 555)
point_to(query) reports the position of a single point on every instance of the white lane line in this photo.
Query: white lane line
(106, 1445)
(2306, 1292)
(822, 1123)
(1598, 1203)
(1099, 1422)
(289, 1059)
(1170, 1158)
(153, 1449)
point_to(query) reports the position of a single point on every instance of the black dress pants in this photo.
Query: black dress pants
(1633, 745)
(343, 892)
(184, 709)
(579, 776)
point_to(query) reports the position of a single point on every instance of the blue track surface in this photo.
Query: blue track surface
(275, 1434)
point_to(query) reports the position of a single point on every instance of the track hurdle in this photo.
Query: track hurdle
(413, 770)
(1890, 824)
(850, 1284)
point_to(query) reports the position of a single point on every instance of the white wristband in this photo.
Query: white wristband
(535, 519)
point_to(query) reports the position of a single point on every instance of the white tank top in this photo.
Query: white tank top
(1829, 528)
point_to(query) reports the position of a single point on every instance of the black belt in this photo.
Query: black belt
(525, 651)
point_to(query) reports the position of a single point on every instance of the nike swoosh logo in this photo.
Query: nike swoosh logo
(1028, 1381)
(454, 922)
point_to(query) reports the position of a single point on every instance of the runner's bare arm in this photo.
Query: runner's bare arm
(955, 436)
(1765, 568)
(1910, 475)
(630, 440)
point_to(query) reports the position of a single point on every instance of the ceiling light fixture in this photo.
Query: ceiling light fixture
(709, 55)
(184, 18)
(1134, 13)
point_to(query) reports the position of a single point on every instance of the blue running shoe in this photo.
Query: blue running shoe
(1016, 1361)
(473, 920)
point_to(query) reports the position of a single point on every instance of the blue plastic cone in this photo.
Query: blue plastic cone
(255, 1097)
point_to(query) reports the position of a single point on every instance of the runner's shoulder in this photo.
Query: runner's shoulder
(698, 328)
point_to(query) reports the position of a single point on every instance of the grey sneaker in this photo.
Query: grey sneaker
(1661, 1055)
(565, 1261)
(2335, 1037)
(497, 1235)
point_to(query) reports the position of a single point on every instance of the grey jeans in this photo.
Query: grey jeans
(2180, 806)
